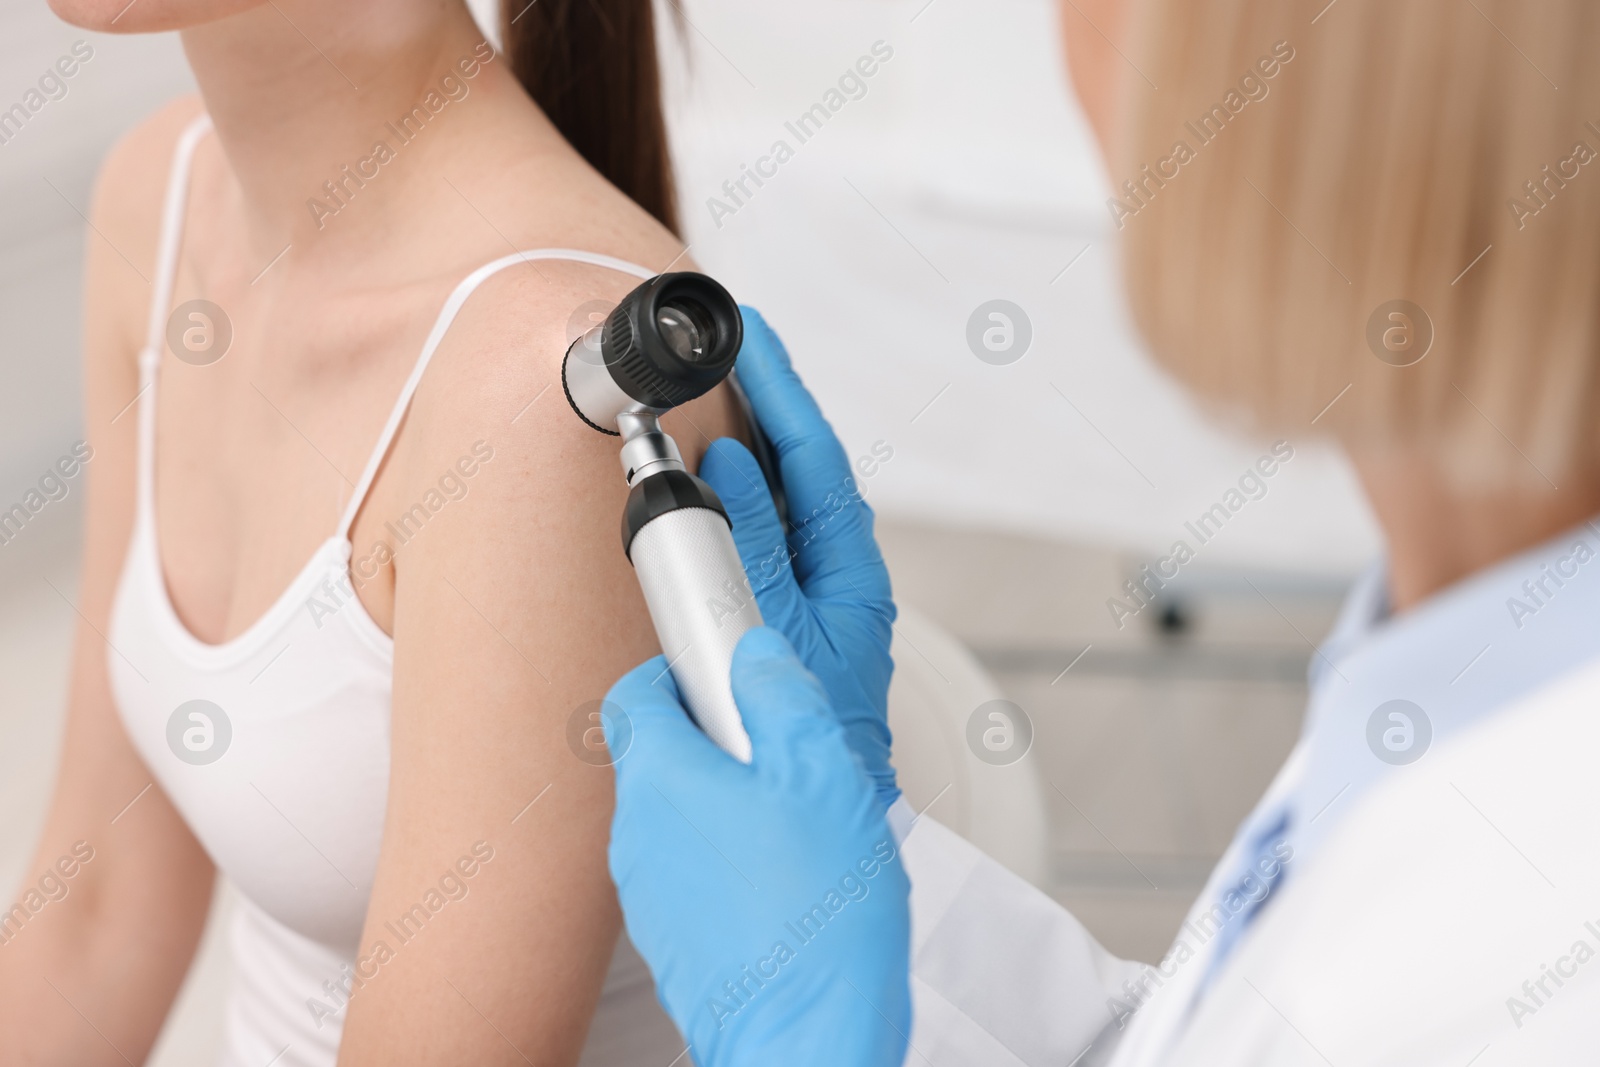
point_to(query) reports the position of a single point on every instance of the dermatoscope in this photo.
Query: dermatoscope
(669, 341)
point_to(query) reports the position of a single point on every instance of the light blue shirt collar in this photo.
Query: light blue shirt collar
(1386, 689)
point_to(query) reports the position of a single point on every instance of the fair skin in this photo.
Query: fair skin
(1435, 535)
(506, 614)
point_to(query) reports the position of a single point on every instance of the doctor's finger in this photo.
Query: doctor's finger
(831, 526)
(649, 731)
(786, 710)
(736, 476)
(810, 457)
(836, 554)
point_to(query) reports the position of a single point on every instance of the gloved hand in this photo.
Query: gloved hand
(768, 899)
(834, 604)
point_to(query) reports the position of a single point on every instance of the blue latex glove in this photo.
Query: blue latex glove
(834, 603)
(769, 900)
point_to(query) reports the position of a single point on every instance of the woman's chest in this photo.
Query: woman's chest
(273, 746)
(257, 458)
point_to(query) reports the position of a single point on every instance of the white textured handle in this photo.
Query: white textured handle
(701, 604)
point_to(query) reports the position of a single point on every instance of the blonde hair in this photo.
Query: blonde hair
(1378, 153)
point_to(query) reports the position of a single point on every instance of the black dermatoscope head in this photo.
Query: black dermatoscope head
(669, 341)
(672, 339)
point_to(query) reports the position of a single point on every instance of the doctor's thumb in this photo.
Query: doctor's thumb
(783, 705)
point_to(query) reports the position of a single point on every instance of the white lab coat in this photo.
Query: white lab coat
(1407, 939)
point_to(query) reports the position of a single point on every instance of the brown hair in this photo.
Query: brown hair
(591, 66)
(1386, 151)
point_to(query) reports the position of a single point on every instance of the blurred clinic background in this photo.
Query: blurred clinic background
(1017, 497)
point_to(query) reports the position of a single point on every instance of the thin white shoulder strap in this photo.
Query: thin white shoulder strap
(447, 315)
(172, 230)
(171, 240)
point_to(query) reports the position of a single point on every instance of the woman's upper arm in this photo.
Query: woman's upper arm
(119, 940)
(515, 610)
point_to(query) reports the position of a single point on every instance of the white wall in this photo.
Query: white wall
(45, 176)
(974, 178)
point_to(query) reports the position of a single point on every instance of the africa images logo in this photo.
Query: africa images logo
(199, 732)
(1399, 732)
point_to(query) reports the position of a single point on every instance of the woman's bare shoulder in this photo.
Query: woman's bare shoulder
(506, 345)
(519, 173)
(499, 366)
(501, 359)
(498, 380)
(133, 178)
(125, 211)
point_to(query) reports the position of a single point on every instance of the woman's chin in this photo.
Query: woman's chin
(145, 16)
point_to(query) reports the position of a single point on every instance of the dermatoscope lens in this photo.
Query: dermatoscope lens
(687, 329)
(672, 339)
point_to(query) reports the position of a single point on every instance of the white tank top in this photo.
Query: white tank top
(283, 776)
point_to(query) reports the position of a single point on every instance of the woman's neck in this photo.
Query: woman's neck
(298, 89)
(1438, 535)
